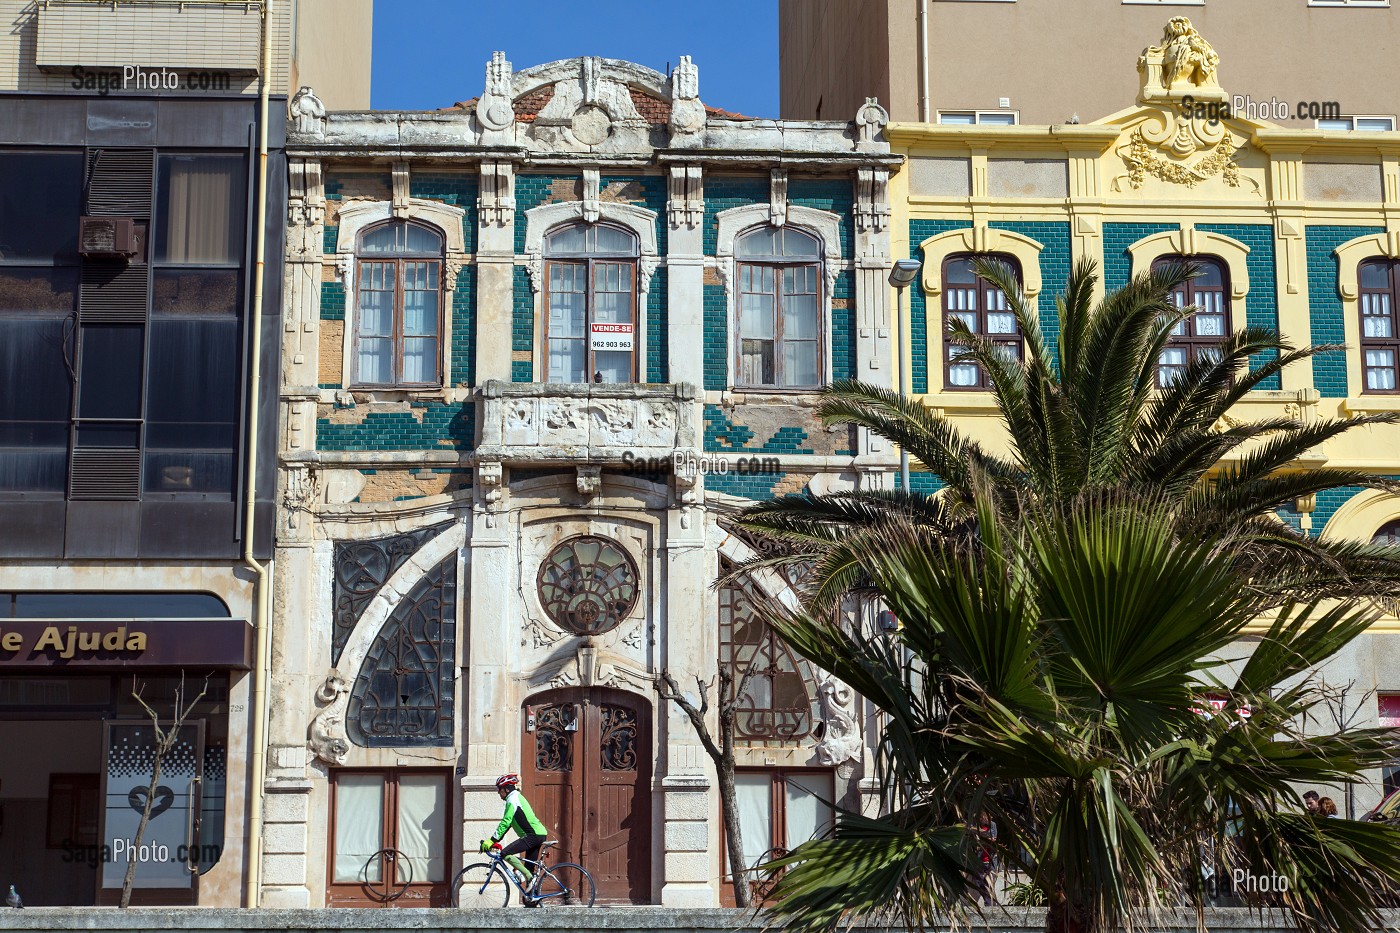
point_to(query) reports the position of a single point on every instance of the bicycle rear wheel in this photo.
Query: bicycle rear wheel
(481, 885)
(566, 885)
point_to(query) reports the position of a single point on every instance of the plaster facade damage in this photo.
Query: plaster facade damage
(537, 347)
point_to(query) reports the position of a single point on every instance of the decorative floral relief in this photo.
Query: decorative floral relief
(1141, 163)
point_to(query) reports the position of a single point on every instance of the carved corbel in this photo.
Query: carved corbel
(497, 201)
(326, 734)
(301, 492)
(534, 268)
(777, 197)
(590, 195)
(455, 264)
(399, 172)
(488, 478)
(872, 199)
(646, 269)
(685, 196)
(589, 480)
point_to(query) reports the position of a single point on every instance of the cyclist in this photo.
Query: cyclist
(522, 819)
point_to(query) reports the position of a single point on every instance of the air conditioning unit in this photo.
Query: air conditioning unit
(107, 237)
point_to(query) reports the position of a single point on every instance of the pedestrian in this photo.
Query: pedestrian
(1310, 800)
(1327, 808)
(987, 862)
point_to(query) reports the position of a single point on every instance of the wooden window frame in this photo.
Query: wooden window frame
(435, 893)
(777, 825)
(983, 384)
(1391, 343)
(778, 265)
(396, 336)
(1195, 344)
(591, 265)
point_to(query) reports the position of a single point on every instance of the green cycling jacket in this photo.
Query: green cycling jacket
(519, 815)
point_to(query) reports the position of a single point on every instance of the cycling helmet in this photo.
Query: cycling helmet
(507, 780)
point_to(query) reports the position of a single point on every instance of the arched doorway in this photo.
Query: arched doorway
(586, 768)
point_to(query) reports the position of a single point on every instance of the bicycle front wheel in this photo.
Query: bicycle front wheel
(481, 885)
(566, 885)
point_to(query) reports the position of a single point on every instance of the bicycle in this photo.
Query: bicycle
(488, 884)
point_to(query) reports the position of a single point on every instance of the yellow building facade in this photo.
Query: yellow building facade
(1300, 230)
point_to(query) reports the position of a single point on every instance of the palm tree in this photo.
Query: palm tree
(1052, 679)
(1090, 415)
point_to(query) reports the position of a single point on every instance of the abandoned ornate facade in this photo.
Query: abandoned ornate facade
(536, 347)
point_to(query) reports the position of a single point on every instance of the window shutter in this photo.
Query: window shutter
(119, 182)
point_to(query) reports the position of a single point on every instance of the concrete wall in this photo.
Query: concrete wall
(1035, 55)
(331, 51)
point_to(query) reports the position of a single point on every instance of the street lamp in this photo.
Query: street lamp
(902, 275)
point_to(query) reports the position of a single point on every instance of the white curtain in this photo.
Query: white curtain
(359, 826)
(754, 796)
(806, 814)
(423, 826)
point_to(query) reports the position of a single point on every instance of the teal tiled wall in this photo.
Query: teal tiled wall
(332, 301)
(750, 486)
(464, 327)
(722, 193)
(658, 335)
(1261, 304)
(920, 364)
(1117, 263)
(1055, 263)
(402, 430)
(458, 189)
(1325, 304)
(522, 325)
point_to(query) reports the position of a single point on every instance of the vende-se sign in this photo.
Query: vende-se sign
(214, 643)
(611, 336)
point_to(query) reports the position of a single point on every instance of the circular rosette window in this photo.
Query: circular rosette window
(588, 585)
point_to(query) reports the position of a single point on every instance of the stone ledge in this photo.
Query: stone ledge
(641, 919)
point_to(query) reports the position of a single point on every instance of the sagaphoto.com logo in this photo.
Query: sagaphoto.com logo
(1246, 107)
(688, 462)
(136, 79)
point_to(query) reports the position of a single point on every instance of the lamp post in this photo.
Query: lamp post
(902, 274)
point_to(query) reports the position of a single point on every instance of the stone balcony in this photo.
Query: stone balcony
(574, 424)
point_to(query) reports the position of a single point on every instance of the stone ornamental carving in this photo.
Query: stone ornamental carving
(841, 740)
(326, 735)
(494, 109)
(871, 119)
(308, 113)
(687, 112)
(1183, 65)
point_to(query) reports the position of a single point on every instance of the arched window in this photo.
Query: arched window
(1380, 344)
(984, 309)
(590, 291)
(779, 705)
(1207, 329)
(780, 326)
(1389, 533)
(398, 305)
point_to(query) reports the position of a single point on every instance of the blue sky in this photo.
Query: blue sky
(432, 53)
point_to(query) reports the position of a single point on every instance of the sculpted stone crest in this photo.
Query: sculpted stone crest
(1183, 65)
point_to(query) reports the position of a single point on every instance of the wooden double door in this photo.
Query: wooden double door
(586, 770)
